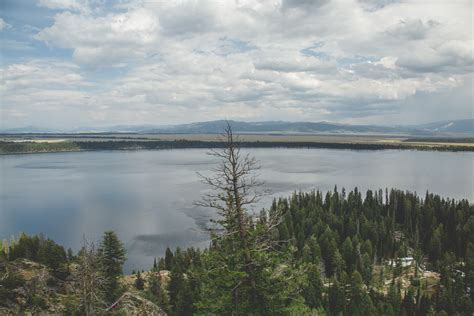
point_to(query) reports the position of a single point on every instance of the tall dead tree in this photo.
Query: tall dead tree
(90, 280)
(235, 189)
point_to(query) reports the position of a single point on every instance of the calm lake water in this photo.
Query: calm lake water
(147, 196)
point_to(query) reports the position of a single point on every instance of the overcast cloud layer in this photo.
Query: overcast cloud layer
(97, 63)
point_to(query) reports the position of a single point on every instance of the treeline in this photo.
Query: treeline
(351, 253)
(177, 144)
(333, 253)
(38, 249)
(8, 147)
(382, 225)
(89, 280)
(384, 254)
(459, 140)
(351, 236)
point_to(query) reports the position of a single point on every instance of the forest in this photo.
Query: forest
(384, 252)
(332, 254)
(96, 143)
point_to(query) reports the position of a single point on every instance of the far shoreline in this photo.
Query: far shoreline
(11, 144)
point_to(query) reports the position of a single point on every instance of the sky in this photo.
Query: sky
(76, 63)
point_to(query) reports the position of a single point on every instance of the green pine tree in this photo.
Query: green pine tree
(139, 282)
(112, 256)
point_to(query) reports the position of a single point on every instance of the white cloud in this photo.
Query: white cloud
(451, 56)
(73, 5)
(298, 59)
(4, 25)
(39, 74)
(39, 86)
(103, 40)
(412, 29)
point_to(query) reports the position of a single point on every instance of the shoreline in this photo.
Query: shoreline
(32, 147)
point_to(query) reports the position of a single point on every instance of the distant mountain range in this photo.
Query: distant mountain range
(464, 128)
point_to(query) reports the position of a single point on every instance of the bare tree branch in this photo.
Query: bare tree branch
(90, 281)
(235, 184)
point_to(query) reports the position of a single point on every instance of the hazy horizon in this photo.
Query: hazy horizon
(151, 125)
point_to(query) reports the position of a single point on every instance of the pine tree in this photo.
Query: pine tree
(470, 268)
(112, 256)
(314, 289)
(157, 293)
(70, 255)
(360, 301)
(161, 264)
(155, 265)
(169, 259)
(245, 273)
(181, 296)
(139, 282)
(348, 254)
(336, 298)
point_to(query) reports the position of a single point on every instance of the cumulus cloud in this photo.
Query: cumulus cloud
(103, 40)
(412, 29)
(302, 4)
(376, 4)
(181, 17)
(3, 25)
(70, 5)
(161, 61)
(40, 82)
(452, 57)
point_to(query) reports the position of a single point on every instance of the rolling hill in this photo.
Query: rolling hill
(455, 128)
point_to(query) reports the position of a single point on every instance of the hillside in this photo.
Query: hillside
(390, 253)
(30, 287)
(447, 128)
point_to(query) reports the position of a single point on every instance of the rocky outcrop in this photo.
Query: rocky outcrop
(133, 304)
(27, 286)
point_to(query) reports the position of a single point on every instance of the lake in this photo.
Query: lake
(147, 196)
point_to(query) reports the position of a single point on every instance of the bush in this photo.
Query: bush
(39, 302)
(72, 307)
(51, 282)
(5, 295)
(415, 282)
(13, 281)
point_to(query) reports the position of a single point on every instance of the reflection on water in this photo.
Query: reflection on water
(147, 196)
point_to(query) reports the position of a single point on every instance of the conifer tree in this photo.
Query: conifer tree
(158, 294)
(112, 256)
(243, 271)
(139, 282)
(169, 259)
(155, 265)
(314, 289)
